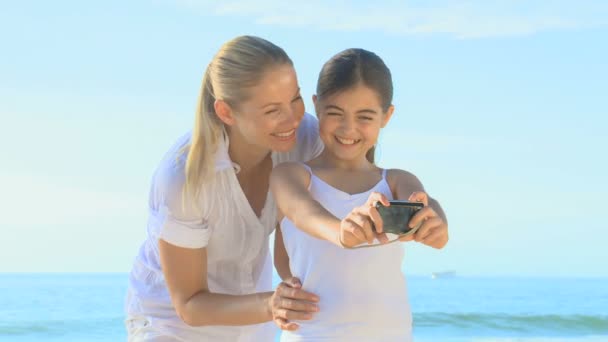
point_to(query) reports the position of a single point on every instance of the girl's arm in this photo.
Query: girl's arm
(281, 259)
(434, 230)
(289, 184)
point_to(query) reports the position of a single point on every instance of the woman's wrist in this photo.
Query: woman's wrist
(266, 299)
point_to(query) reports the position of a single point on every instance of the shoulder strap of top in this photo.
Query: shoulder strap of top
(306, 167)
(309, 173)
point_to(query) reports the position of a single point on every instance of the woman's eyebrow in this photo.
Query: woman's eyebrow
(279, 103)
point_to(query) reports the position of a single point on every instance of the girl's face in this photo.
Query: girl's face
(350, 122)
(271, 116)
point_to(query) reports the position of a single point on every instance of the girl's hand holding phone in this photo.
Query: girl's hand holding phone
(356, 227)
(433, 231)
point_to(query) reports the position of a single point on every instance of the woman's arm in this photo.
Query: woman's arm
(434, 230)
(289, 184)
(185, 272)
(281, 259)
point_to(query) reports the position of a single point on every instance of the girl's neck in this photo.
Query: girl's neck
(328, 160)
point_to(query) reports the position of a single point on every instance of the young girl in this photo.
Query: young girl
(363, 291)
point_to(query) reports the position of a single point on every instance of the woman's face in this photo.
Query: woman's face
(271, 116)
(350, 122)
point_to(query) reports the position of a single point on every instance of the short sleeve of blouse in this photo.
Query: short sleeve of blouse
(182, 222)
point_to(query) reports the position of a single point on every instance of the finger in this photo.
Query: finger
(419, 196)
(293, 315)
(421, 215)
(293, 282)
(438, 232)
(354, 229)
(377, 197)
(427, 228)
(406, 238)
(382, 238)
(285, 324)
(361, 218)
(299, 294)
(298, 305)
(374, 216)
(434, 236)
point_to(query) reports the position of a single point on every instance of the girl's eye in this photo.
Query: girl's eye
(333, 113)
(366, 118)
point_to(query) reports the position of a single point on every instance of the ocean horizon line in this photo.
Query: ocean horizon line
(416, 275)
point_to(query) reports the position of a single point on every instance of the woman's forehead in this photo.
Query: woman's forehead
(276, 85)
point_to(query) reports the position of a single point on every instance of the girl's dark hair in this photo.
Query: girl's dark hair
(353, 67)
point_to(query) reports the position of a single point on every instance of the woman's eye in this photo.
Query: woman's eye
(298, 98)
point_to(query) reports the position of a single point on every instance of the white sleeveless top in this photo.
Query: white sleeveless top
(363, 291)
(238, 260)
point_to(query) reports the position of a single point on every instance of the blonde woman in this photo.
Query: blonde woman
(204, 272)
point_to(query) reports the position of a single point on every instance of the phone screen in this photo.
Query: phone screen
(395, 218)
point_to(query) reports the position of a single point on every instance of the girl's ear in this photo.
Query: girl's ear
(314, 102)
(224, 112)
(388, 115)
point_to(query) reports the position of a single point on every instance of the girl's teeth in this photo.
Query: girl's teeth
(347, 141)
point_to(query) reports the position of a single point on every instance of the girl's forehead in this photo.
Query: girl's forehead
(353, 95)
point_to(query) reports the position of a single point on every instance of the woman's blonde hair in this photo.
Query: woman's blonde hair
(238, 66)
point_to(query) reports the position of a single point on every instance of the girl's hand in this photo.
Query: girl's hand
(434, 231)
(356, 227)
(289, 302)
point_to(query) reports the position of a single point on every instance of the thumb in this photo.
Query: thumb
(419, 196)
(293, 282)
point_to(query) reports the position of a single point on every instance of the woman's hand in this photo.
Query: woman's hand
(289, 302)
(433, 231)
(356, 227)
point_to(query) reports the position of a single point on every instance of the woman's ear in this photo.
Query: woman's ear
(224, 112)
(388, 115)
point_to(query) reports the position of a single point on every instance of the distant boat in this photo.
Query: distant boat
(445, 274)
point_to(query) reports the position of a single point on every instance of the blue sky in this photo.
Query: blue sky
(500, 110)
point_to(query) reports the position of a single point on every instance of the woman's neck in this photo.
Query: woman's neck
(248, 156)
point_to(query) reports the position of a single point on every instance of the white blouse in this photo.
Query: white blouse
(238, 260)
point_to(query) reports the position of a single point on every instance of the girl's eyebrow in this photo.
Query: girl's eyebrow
(334, 107)
(367, 111)
(361, 111)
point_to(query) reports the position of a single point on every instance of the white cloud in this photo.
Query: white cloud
(460, 19)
